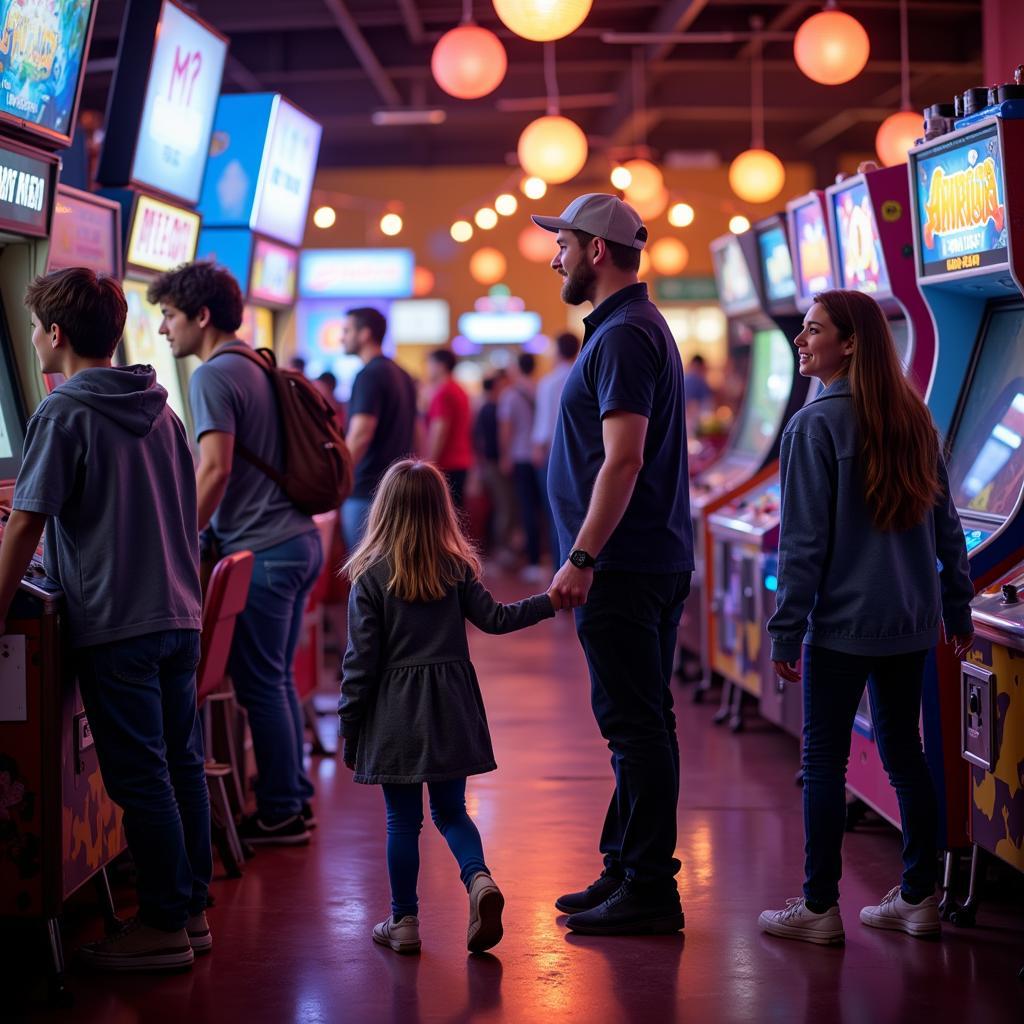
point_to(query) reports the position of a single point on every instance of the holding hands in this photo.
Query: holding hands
(570, 587)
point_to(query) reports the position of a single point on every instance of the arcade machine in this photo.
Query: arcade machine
(970, 265)
(59, 827)
(775, 390)
(744, 531)
(158, 126)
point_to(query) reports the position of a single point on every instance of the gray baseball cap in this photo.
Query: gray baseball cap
(601, 215)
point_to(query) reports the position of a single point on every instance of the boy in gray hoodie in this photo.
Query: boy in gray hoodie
(107, 471)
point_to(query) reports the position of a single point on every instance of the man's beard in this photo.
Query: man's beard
(578, 285)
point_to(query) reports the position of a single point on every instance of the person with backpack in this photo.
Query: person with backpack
(240, 428)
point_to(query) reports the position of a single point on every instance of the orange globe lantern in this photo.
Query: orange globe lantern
(757, 176)
(652, 207)
(469, 62)
(645, 180)
(896, 135)
(542, 20)
(487, 266)
(536, 245)
(552, 148)
(669, 256)
(831, 48)
(422, 282)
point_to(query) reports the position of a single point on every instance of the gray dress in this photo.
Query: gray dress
(410, 700)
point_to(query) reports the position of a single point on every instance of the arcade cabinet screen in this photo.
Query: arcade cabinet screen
(813, 263)
(954, 233)
(986, 467)
(861, 263)
(42, 52)
(735, 285)
(768, 386)
(143, 343)
(12, 432)
(776, 264)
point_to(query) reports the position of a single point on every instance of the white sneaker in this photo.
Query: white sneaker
(797, 922)
(199, 936)
(402, 937)
(485, 906)
(896, 914)
(139, 947)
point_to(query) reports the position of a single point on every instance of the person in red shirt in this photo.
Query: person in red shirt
(449, 424)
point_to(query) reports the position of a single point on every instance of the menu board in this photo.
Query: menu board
(776, 264)
(162, 236)
(352, 273)
(961, 211)
(42, 56)
(181, 97)
(735, 285)
(86, 233)
(769, 385)
(861, 262)
(813, 269)
(274, 270)
(144, 344)
(230, 248)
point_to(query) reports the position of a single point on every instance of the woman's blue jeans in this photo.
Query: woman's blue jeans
(833, 685)
(404, 802)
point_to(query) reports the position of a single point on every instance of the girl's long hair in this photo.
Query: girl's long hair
(899, 447)
(413, 526)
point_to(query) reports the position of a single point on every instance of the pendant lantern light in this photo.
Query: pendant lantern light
(900, 131)
(536, 245)
(646, 180)
(831, 47)
(487, 266)
(469, 61)
(669, 256)
(543, 21)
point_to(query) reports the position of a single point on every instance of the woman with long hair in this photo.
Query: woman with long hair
(866, 519)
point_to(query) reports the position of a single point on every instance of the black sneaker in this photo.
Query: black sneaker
(593, 896)
(291, 831)
(308, 815)
(632, 910)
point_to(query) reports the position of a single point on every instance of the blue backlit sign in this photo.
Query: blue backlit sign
(230, 248)
(356, 273)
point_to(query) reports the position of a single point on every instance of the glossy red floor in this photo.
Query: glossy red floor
(292, 938)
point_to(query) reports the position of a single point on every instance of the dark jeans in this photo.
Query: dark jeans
(524, 475)
(404, 802)
(628, 632)
(457, 485)
(262, 652)
(833, 685)
(140, 696)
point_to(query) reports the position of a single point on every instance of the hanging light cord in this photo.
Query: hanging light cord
(757, 88)
(467, 11)
(640, 97)
(551, 79)
(904, 57)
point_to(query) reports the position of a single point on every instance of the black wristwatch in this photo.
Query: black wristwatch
(581, 559)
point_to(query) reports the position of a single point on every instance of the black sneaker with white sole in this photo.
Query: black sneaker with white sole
(290, 831)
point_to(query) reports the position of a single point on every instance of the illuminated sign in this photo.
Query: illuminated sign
(356, 273)
(181, 97)
(26, 191)
(257, 328)
(735, 285)
(500, 328)
(86, 233)
(162, 236)
(961, 208)
(813, 262)
(861, 263)
(230, 248)
(274, 269)
(420, 322)
(776, 264)
(42, 50)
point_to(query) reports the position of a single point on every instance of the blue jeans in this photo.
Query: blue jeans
(833, 685)
(266, 635)
(354, 514)
(140, 696)
(628, 632)
(404, 802)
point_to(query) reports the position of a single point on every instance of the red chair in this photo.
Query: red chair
(224, 601)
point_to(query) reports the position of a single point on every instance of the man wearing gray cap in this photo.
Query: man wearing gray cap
(619, 491)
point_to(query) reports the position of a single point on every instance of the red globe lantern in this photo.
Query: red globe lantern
(896, 135)
(469, 62)
(831, 48)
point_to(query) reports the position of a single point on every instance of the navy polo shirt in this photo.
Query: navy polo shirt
(629, 363)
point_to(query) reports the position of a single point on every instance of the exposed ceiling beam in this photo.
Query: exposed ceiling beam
(364, 54)
(783, 20)
(235, 70)
(412, 21)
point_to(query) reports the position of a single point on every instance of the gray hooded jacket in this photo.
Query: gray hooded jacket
(108, 461)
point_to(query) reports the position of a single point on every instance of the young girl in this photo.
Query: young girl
(866, 513)
(411, 710)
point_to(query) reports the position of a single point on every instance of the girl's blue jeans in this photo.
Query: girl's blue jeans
(404, 802)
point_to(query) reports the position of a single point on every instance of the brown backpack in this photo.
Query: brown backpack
(317, 473)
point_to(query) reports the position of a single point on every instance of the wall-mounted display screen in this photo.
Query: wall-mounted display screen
(162, 236)
(861, 261)
(181, 97)
(27, 188)
(257, 327)
(735, 284)
(813, 261)
(143, 343)
(274, 270)
(769, 384)
(961, 212)
(351, 273)
(42, 61)
(776, 264)
(86, 232)
(420, 322)
(986, 465)
(230, 248)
